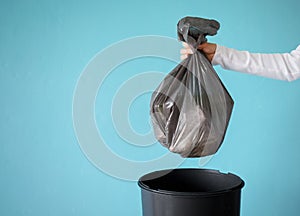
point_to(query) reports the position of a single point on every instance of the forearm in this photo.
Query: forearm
(284, 66)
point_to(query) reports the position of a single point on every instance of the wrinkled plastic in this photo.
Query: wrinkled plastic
(191, 108)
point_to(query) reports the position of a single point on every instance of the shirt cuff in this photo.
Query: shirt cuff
(217, 59)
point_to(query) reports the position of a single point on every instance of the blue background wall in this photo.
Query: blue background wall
(44, 46)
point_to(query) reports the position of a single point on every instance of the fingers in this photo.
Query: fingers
(185, 51)
(208, 49)
(182, 57)
(185, 45)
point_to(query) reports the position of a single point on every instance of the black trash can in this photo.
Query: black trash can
(191, 192)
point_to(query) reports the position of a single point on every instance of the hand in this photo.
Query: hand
(208, 49)
(185, 51)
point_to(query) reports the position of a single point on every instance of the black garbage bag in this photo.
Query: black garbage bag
(191, 108)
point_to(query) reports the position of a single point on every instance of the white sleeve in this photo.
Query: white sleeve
(285, 66)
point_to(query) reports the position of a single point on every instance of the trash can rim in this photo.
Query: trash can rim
(196, 193)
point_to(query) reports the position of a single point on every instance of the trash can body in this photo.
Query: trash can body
(191, 192)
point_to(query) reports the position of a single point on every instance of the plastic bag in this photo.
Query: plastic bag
(191, 108)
